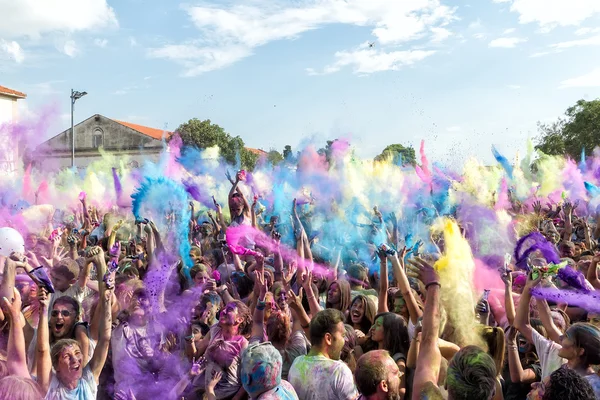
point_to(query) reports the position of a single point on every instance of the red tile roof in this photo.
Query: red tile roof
(152, 132)
(258, 152)
(11, 92)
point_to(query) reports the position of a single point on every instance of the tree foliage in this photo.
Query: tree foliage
(274, 157)
(204, 134)
(398, 154)
(578, 130)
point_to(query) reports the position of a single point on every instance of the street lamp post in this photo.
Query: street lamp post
(75, 95)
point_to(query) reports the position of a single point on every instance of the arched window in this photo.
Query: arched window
(98, 137)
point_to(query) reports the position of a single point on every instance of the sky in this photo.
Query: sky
(461, 75)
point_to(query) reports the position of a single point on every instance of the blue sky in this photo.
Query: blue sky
(462, 75)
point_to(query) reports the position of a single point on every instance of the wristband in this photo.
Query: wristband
(431, 284)
(305, 326)
(261, 305)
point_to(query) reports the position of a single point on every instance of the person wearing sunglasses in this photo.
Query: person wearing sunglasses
(65, 323)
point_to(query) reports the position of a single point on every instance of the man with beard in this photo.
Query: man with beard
(377, 376)
(321, 374)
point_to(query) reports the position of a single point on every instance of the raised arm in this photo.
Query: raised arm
(517, 374)
(258, 320)
(402, 280)
(16, 353)
(44, 363)
(101, 351)
(592, 273)
(522, 317)
(382, 306)
(428, 361)
(509, 304)
(554, 333)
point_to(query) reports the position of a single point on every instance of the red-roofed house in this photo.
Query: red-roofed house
(119, 138)
(9, 152)
(139, 143)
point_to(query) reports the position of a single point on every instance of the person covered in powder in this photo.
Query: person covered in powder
(321, 374)
(260, 373)
(62, 371)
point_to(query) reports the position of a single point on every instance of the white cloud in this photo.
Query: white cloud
(508, 31)
(479, 36)
(476, 24)
(13, 49)
(230, 33)
(454, 129)
(514, 87)
(100, 42)
(591, 41)
(586, 31)
(33, 18)
(591, 79)
(551, 13)
(132, 41)
(69, 48)
(506, 42)
(440, 34)
(369, 61)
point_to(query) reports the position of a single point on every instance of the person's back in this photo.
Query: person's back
(320, 374)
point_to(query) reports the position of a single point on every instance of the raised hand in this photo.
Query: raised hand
(294, 301)
(422, 270)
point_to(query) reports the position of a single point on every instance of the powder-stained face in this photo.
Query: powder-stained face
(69, 365)
(334, 294)
(201, 278)
(230, 315)
(377, 332)
(281, 299)
(357, 311)
(400, 306)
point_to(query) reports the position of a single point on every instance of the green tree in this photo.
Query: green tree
(204, 134)
(579, 129)
(396, 153)
(274, 157)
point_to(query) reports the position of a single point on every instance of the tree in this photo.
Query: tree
(274, 157)
(398, 154)
(578, 130)
(204, 134)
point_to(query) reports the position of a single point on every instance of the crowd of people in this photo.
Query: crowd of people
(446, 295)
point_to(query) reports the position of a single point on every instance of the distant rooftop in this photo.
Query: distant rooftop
(11, 92)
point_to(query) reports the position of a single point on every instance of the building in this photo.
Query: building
(9, 151)
(8, 105)
(120, 138)
(139, 143)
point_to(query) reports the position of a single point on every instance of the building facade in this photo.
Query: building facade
(9, 150)
(122, 139)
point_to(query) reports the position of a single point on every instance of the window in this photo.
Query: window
(98, 138)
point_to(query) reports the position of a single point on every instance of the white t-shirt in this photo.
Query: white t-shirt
(547, 351)
(318, 377)
(86, 389)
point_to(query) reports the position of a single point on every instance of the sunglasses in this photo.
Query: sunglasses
(64, 313)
